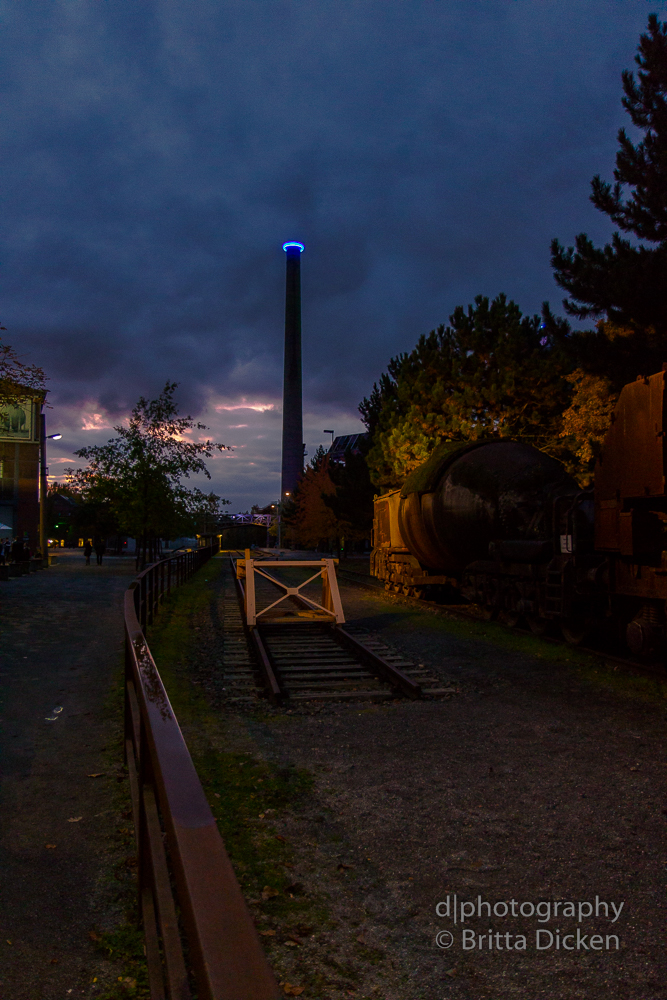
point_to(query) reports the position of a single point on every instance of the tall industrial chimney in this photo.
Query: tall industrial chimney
(292, 465)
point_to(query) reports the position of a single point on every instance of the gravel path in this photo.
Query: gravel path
(60, 649)
(541, 781)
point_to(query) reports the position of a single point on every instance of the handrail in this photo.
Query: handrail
(223, 947)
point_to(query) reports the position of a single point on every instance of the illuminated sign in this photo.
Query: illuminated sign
(18, 421)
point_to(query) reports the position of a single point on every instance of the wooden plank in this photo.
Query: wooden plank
(327, 686)
(334, 593)
(250, 604)
(294, 619)
(346, 696)
(326, 678)
(299, 562)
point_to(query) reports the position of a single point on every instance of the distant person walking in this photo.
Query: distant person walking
(17, 550)
(87, 551)
(100, 549)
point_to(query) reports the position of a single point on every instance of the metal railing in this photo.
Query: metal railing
(177, 838)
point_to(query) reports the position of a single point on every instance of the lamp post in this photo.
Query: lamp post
(280, 520)
(332, 436)
(43, 438)
(268, 526)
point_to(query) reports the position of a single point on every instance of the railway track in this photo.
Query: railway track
(308, 663)
(293, 660)
(239, 681)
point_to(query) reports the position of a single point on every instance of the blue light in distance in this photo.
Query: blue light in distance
(299, 245)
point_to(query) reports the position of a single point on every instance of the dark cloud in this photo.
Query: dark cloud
(156, 156)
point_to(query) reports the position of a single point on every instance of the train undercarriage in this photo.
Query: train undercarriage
(566, 594)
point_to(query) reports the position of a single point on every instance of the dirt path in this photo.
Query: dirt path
(60, 648)
(541, 781)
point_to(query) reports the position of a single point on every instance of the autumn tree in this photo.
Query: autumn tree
(308, 520)
(625, 281)
(586, 420)
(138, 475)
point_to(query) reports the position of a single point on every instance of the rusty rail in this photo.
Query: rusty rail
(386, 670)
(177, 837)
(271, 685)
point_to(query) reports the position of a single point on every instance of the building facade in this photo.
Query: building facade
(19, 469)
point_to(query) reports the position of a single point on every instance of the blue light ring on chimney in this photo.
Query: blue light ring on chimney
(293, 245)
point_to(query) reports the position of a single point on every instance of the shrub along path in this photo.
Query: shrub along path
(66, 866)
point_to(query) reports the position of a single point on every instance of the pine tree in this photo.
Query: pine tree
(625, 282)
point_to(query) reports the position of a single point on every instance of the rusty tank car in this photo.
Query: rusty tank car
(503, 525)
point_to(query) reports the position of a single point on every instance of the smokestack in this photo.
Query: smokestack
(292, 465)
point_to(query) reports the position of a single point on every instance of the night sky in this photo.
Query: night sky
(156, 155)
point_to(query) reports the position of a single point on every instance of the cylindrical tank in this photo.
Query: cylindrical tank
(466, 497)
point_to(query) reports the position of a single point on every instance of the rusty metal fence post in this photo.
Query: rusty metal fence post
(177, 838)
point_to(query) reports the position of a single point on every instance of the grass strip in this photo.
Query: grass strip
(246, 791)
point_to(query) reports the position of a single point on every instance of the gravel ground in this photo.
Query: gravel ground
(541, 781)
(61, 634)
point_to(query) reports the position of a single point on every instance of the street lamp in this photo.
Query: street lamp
(280, 518)
(332, 436)
(42, 488)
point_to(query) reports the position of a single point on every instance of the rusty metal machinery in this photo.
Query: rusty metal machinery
(503, 524)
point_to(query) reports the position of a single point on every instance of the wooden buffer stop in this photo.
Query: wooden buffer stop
(328, 611)
(297, 634)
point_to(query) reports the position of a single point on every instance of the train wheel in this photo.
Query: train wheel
(575, 631)
(538, 626)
